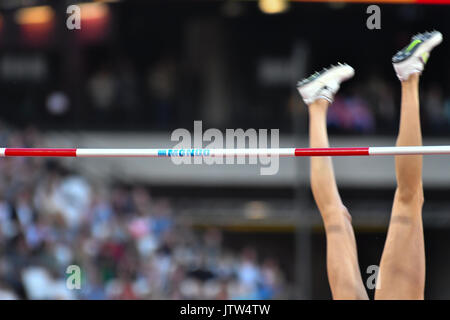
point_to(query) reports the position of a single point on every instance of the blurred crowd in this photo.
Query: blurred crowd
(127, 244)
(118, 94)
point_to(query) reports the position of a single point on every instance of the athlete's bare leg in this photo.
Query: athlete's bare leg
(402, 266)
(344, 275)
(343, 270)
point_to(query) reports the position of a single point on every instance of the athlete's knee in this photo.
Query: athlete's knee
(411, 195)
(336, 216)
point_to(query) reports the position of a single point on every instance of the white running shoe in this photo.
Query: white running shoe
(412, 59)
(324, 84)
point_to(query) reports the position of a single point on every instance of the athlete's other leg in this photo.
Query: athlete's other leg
(342, 260)
(402, 267)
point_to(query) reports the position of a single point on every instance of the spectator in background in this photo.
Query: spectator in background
(447, 111)
(127, 90)
(161, 82)
(102, 91)
(57, 104)
(249, 274)
(6, 293)
(434, 108)
(381, 98)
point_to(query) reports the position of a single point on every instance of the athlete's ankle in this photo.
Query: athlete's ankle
(413, 79)
(319, 104)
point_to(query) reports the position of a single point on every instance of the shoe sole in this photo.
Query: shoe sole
(326, 75)
(418, 50)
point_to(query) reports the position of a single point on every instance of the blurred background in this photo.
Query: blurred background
(136, 71)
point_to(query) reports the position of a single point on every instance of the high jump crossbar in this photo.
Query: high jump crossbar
(281, 152)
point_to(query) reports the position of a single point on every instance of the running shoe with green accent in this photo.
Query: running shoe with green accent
(412, 58)
(324, 84)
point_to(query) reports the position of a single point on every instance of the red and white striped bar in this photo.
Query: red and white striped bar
(281, 152)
